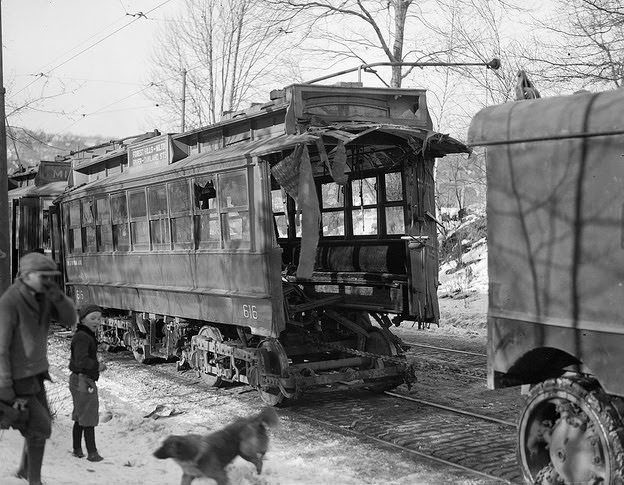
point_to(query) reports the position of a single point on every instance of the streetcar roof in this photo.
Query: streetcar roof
(435, 144)
(51, 189)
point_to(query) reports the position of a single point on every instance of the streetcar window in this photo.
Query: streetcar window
(234, 209)
(45, 230)
(159, 232)
(159, 222)
(87, 212)
(179, 200)
(205, 194)
(157, 197)
(209, 229)
(88, 226)
(236, 228)
(119, 218)
(278, 203)
(394, 208)
(181, 220)
(103, 229)
(208, 226)
(395, 220)
(332, 195)
(364, 208)
(139, 228)
(74, 213)
(74, 233)
(394, 186)
(182, 232)
(233, 190)
(333, 223)
(332, 204)
(364, 191)
(364, 222)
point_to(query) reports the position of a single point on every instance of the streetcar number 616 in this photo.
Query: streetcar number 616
(250, 311)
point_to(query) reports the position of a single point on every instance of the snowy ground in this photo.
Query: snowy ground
(299, 453)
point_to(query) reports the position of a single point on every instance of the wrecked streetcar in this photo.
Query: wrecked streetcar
(263, 248)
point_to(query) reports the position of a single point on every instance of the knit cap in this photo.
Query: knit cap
(37, 262)
(86, 309)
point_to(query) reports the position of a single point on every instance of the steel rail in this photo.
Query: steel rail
(451, 409)
(407, 450)
(414, 344)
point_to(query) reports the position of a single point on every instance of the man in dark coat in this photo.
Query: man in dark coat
(26, 309)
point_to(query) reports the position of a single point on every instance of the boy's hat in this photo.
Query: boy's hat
(37, 262)
(85, 310)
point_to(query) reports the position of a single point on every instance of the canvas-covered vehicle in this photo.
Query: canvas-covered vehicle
(555, 212)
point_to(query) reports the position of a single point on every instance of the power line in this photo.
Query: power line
(84, 115)
(136, 17)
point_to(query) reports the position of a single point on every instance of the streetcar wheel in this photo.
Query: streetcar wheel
(202, 357)
(569, 432)
(139, 354)
(378, 343)
(275, 362)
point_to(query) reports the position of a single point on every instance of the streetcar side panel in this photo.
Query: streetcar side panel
(182, 244)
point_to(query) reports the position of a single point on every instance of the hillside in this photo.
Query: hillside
(463, 256)
(26, 148)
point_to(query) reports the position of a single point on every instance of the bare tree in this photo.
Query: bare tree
(364, 30)
(229, 49)
(584, 44)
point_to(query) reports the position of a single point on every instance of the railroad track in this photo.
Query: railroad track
(473, 444)
(442, 359)
(477, 446)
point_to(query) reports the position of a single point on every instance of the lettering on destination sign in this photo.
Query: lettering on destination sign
(52, 172)
(157, 151)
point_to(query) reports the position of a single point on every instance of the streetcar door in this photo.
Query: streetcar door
(29, 226)
(421, 240)
(14, 237)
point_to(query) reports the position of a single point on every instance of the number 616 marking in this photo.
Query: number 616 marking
(250, 311)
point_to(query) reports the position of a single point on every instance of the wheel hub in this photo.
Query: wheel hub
(574, 447)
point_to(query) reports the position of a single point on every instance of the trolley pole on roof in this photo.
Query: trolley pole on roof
(5, 241)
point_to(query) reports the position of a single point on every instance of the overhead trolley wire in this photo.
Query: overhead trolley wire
(42, 74)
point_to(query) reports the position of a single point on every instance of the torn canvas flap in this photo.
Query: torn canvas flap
(286, 172)
(338, 166)
(308, 203)
(294, 174)
(335, 172)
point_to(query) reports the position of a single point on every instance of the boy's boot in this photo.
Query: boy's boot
(36, 448)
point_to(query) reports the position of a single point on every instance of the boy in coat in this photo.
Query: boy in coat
(26, 309)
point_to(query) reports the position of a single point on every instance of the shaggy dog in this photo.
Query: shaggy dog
(208, 455)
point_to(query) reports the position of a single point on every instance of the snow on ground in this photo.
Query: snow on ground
(300, 454)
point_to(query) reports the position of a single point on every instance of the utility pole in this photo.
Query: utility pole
(5, 230)
(183, 101)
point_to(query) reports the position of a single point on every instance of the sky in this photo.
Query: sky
(88, 63)
(94, 53)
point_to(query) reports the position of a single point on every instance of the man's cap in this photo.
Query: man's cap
(83, 311)
(37, 262)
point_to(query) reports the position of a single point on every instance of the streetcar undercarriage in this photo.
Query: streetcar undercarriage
(324, 347)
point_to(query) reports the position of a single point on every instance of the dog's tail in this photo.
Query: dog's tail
(268, 417)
